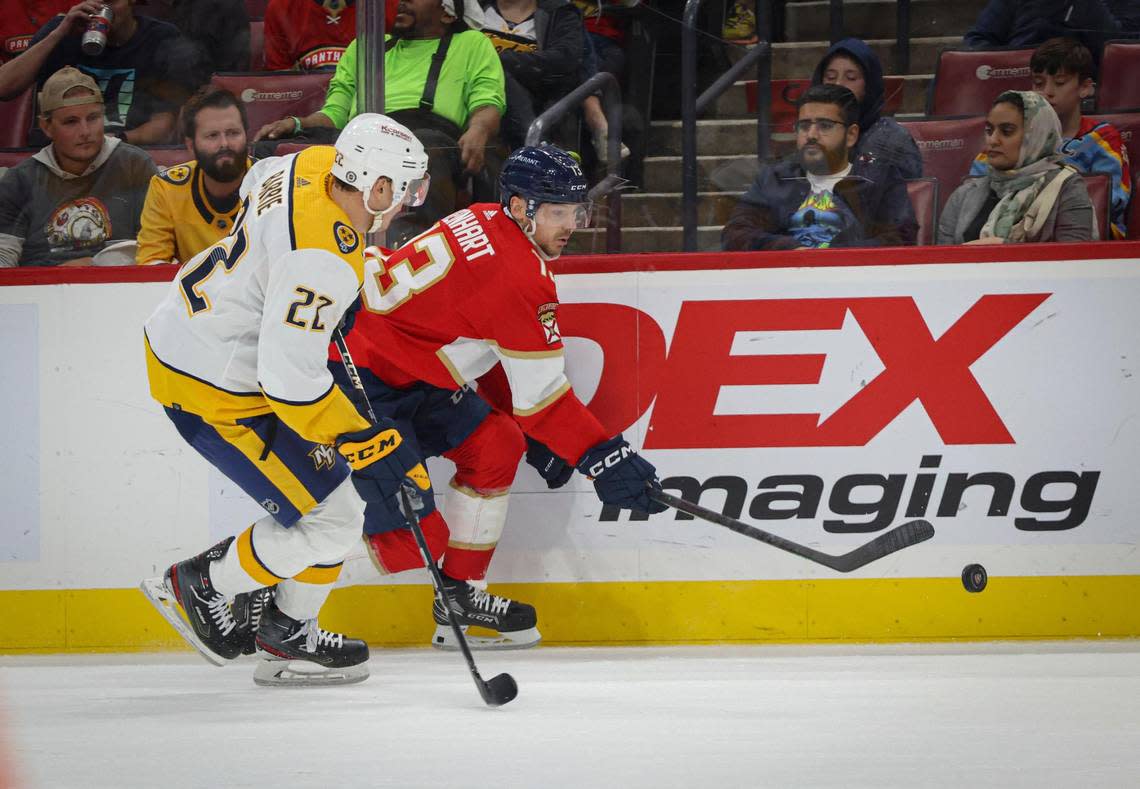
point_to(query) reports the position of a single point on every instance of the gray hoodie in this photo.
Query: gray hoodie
(48, 216)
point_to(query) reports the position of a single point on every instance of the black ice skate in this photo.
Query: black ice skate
(187, 600)
(248, 608)
(296, 652)
(513, 624)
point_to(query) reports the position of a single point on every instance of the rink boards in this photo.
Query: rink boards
(993, 393)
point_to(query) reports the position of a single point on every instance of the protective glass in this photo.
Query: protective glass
(572, 216)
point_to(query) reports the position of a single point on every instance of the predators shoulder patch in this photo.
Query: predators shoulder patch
(346, 238)
(177, 175)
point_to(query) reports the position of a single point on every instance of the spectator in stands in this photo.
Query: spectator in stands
(603, 51)
(1063, 74)
(215, 37)
(821, 198)
(540, 44)
(1027, 193)
(1027, 23)
(20, 21)
(456, 116)
(852, 64)
(192, 205)
(81, 192)
(308, 34)
(142, 86)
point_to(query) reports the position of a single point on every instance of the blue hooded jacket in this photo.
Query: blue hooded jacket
(880, 139)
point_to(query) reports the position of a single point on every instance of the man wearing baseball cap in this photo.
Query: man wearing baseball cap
(78, 194)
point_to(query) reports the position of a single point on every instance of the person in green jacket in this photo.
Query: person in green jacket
(457, 118)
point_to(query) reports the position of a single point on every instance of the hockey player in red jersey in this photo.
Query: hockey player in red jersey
(472, 299)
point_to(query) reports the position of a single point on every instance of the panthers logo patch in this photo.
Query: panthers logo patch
(346, 238)
(547, 317)
(177, 175)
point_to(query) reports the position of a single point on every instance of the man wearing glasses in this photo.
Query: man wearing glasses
(820, 198)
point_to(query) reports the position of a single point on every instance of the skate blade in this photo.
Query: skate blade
(163, 599)
(274, 673)
(444, 639)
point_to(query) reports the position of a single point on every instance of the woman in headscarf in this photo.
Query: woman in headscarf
(1028, 194)
(853, 64)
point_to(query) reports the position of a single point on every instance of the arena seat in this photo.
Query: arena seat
(272, 95)
(286, 148)
(786, 92)
(1099, 193)
(947, 147)
(17, 114)
(1119, 87)
(256, 8)
(257, 45)
(923, 193)
(966, 82)
(10, 157)
(1128, 124)
(165, 156)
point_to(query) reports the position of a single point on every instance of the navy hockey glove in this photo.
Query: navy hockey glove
(348, 320)
(622, 477)
(550, 467)
(381, 462)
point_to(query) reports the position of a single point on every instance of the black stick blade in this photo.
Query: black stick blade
(499, 690)
(903, 536)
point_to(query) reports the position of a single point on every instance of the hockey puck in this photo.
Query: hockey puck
(974, 577)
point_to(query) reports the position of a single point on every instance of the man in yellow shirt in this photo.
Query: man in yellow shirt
(192, 205)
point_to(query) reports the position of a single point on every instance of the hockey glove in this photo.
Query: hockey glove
(348, 320)
(381, 462)
(550, 467)
(622, 478)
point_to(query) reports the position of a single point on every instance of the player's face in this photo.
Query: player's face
(219, 143)
(554, 223)
(76, 133)
(1004, 131)
(1063, 90)
(842, 70)
(822, 138)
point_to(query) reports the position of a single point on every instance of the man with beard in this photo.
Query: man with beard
(79, 193)
(192, 205)
(820, 198)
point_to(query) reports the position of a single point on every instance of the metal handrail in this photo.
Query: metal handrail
(611, 104)
(691, 106)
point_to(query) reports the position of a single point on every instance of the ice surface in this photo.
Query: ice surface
(976, 715)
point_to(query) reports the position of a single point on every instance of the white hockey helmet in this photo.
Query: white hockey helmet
(373, 146)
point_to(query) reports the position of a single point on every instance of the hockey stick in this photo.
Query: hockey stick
(902, 536)
(498, 690)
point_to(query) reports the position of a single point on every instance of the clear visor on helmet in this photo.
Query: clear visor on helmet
(571, 216)
(417, 191)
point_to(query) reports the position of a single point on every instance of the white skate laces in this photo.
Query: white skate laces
(220, 611)
(316, 637)
(485, 601)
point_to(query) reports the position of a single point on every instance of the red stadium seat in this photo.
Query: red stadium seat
(947, 147)
(786, 92)
(10, 157)
(272, 95)
(923, 193)
(967, 82)
(1128, 124)
(256, 8)
(17, 119)
(165, 156)
(286, 148)
(1119, 88)
(1099, 189)
(257, 45)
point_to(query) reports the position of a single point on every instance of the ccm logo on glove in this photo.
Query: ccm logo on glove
(361, 454)
(609, 461)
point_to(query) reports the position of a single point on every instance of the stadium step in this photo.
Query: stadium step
(714, 173)
(663, 209)
(643, 239)
(797, 60)
(733, 103)
(806, 21)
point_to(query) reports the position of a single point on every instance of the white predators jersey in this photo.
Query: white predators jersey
(246, 325)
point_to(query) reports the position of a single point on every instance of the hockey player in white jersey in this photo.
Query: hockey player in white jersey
(237, 353)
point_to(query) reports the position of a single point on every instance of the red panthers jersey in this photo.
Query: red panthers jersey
(20, 21)
(461, 298)
(307, 34)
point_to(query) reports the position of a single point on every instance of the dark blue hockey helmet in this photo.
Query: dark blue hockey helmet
(542, 174)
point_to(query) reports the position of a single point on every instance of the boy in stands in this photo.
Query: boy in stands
(1063, 74)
